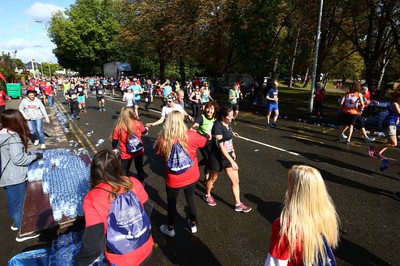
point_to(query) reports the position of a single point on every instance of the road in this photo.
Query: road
(364, 197)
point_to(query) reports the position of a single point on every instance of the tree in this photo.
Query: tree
(86, 35)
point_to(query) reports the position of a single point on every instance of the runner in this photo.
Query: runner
(223, 157)
(272, 98)
(203, 126)
(166, 110)
(137, 91)
(100, 95)
(234, 95)
(82, 95)
(71, 96)
(128, 97)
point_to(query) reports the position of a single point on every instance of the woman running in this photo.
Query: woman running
(204, 125)
(223, 157)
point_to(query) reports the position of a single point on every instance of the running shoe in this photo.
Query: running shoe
(268, 126)
(384, 165)
(104, 109)
(371, 151)
(192, 226)
(100, 109)
(36, 142)
(274, 125)
(367, 140)
(27, 237)
(242, 208)
(13, 227)
(43, 146)
(343, 136)
(209, 200)
(165, 231)
(350, 143)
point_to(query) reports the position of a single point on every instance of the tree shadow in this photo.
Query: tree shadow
(328, 176)
(356, 255)
(270, 210)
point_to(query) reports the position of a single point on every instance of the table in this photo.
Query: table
(37, 214)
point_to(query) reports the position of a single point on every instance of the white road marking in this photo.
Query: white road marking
(269, 146)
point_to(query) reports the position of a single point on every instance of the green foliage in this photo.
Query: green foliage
(86, 36)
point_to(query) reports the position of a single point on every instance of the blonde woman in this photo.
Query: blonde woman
(308, 215)
(176, 131)
(126, 125)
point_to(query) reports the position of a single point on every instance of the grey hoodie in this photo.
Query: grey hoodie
(14, 159)
(33, 110)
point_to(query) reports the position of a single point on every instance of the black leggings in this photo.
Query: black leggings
(172, 194)
(126, 165)
(205, 152)
(196, 109)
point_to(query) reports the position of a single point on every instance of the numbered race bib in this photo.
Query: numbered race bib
(100, 92)
(228, 145)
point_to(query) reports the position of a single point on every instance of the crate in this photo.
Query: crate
(14, 90)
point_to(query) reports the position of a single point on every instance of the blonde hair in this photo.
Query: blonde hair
(175, 130)
(124, 121)
(308, 213)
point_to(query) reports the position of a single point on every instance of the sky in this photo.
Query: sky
(19, 31)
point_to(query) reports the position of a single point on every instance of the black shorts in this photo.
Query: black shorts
(235, 107)
(99, 98)
(349, 119)
(217, 164)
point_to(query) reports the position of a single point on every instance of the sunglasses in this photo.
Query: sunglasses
(169, 101)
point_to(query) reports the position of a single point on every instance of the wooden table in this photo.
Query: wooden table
(38, 214)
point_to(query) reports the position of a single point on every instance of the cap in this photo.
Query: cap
(171, 97)
(129, 88)
(135, 79)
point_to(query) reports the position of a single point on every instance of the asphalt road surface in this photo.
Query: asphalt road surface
(364, 197)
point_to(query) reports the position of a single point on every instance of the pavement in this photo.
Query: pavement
(54, 134)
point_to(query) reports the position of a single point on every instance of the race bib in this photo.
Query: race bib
(228, 145)
(99, 92)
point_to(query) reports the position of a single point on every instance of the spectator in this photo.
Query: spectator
(3, 97)
(319, 101)
(126, 125)
(14, 136)
(106, 179)
(175, 131)
(307, 217)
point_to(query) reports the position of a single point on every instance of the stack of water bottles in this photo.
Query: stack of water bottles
(65, 247)
(66, 181)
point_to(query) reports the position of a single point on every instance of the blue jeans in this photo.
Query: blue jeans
(50, 100)
(36, 128)
(15, 195)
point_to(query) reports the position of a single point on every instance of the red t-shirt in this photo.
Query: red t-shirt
(122, 137)
(192, 174)
(48, 90)
(3, 96)
(96, 206)
(281, 252)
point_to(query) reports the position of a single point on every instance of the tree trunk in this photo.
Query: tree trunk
(294, 58)
(182, 70)
(385, 63)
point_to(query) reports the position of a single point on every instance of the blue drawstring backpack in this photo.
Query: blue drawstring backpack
(179, 160)
(134, 145)
(128, 226)
(330, 257)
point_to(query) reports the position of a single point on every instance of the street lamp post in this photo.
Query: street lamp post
(30, 45)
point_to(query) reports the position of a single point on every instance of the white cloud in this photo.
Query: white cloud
(41, 11)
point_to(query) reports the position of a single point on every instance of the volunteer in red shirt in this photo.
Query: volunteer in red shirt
(105, 174)
(175, 130)
(3, 97)
(126, 125)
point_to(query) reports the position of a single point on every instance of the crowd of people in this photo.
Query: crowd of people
(302, 235)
